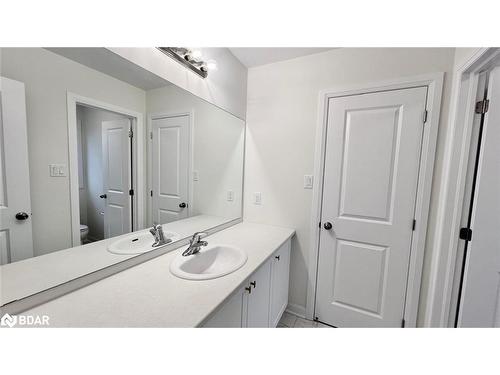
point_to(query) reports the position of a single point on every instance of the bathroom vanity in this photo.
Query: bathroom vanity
(262, 299)
(149, 295)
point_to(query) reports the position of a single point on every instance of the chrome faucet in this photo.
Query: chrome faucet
(157, 232)
(195, 244)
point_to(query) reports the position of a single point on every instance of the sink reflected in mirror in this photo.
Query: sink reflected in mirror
(138, 243)
(211, 262)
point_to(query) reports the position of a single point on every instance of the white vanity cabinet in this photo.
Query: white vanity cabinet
(262, 299)
(280, 272)
(258, 298)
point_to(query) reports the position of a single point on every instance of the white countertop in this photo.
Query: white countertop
(148, 295)
(27, 277)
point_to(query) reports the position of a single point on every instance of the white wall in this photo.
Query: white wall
(47, 78)
(218, 139)
(281, 123)
(225, 87)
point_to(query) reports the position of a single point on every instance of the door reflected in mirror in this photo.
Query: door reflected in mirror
(88, 156)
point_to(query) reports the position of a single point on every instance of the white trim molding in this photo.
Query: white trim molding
(445, 247)
(434, 83)
(296, 310)
(138, 159)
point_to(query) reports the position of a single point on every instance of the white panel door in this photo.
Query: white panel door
(16, 242)
(370, 182)
(480, 305)
(116, 159)
(230, 314)
(280, 269)
(170, 168)
(259, 297)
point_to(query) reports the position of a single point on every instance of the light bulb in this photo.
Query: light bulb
(195, 54)
(211, 65)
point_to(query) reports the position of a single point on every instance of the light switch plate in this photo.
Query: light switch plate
(57, 170)
(308, 181)
(257, 198)
(230, 195)
(196, 175)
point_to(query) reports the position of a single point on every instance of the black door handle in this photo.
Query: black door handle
(103, 196)
(182, 205)
(22, 216)
(328, 225)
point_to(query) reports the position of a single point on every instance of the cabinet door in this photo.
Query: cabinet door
(280, 269)
(229, 315)
(259, 297)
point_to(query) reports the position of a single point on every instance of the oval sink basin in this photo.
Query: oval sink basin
(211, 262)
(137, 243)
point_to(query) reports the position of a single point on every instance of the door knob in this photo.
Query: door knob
(182, 205)
(103, 196)
(328, 225)
(22, 216)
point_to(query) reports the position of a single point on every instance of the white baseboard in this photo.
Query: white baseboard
(297, 310)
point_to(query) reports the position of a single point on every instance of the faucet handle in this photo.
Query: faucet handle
(197, 236)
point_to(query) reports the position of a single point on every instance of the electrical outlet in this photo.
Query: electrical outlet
(57, 170)
(308, 181)
(230, 195)
(257, 198)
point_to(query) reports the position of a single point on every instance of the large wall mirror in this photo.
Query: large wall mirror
(95, 151)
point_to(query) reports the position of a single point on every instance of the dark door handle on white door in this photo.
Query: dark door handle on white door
(327, 225)
(22, 216)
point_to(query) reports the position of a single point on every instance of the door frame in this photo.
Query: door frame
(163, 114)
(138, 174)
(434, 84)
(441, 301)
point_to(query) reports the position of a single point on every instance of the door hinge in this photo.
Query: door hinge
(131, 192)
(482, 106)
(403, 323)
(465, 234)
(151, 135)
(130, 133)
(426, 113)
(414, 225)
(151, 192)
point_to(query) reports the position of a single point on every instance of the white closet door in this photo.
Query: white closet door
(170, 153)
(116, 160)
(370, 183)
(480, 305)
(16, 242)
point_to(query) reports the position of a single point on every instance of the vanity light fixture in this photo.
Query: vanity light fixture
(191, 59)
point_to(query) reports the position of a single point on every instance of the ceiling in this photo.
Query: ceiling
(107, 62)
(251, 56)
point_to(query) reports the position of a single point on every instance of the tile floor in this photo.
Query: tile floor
(292, 321)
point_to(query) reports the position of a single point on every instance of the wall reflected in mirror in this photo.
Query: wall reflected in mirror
(95, 147)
